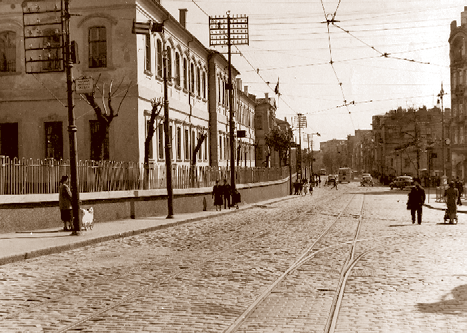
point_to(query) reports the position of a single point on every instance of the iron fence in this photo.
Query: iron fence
(28, 176)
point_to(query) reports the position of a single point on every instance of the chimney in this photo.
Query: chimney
(245, 89)
(239, 83)
(266, 95)
(182, 16)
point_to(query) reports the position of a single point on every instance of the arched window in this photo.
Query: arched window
(192, 77)
(97, 47)
(198, 82)
(147, 53)
(204, 84)
(159, 58)
(7, 51)
(185, 73)
(169, 63)
(177, 69)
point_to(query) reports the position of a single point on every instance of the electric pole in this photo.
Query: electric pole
(220, 33)
(46, 53)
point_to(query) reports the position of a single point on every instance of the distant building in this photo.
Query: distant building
(408, 142)
(456, 126)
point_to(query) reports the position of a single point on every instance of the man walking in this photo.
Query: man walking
(415, 202)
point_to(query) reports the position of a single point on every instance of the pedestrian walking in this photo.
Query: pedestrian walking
(217, 194)
(451, 194)
(460, 189)
(226, 192)
(236, 198)
(334, 185)
(64, 203)
(306, 186)
(415, 202)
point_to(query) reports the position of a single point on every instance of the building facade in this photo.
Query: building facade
(33, 107)
(408, 142)
(456, 125)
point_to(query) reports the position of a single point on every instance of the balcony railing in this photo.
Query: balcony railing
(28, 176)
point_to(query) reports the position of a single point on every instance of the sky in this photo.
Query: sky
(338, 62)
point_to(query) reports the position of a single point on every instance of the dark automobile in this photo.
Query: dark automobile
(401, 182)
(367, 180)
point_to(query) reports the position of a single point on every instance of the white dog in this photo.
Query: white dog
(86, 217)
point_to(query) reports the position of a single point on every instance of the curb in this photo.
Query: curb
(83, 243)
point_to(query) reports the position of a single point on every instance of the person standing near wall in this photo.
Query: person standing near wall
(217, 193)
(64, 203)
(226, 193)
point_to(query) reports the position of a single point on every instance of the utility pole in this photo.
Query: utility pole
(443, 144)
(46, 53)
(71, 126)
(146, 28)
(300, 120)
(221, 33)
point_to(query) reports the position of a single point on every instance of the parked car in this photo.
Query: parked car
(401, 182)
(366, 180)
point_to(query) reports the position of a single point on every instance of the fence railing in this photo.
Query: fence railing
(28, 176)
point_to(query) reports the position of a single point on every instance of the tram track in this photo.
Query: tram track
(306, 256)
(146, 288)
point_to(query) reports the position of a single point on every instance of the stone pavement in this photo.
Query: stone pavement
(29, 244)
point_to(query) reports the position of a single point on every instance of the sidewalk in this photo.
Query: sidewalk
(25, 245)
(431, 202)
(29, 244)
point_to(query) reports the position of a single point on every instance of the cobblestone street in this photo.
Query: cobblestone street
(227, 273)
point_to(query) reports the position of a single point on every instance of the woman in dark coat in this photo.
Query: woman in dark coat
(217, 194)
(451, 195)
(64, 203)
(416, 201)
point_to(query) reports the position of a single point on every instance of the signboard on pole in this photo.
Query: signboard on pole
(84, 85)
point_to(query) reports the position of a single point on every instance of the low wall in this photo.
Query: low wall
(40, 211)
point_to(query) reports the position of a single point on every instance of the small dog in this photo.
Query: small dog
(86, 217)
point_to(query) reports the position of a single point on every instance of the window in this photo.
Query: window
(7, 51)
(204, 84)
(9, 139)
(148, 126)
(177, 69)
(147, 53)
(161, 141)
(193, 143)
(171, 141)
(198, 82)
(187, 145)
(179, 143)
(206, 148)
(220, 147)
(259, 121)
(169, 63)
(185, 74)
(192, 78)
(159, 58)
(97, 47)
(53, 140)
(51, 50)
(95, 151)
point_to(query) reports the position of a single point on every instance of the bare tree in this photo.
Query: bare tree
(157, 105)
(107, 112)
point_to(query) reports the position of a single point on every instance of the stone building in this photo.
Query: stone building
(33, 107)
(408, 142)
(456, 127)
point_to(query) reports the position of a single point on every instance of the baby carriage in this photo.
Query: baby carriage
(450, 219)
